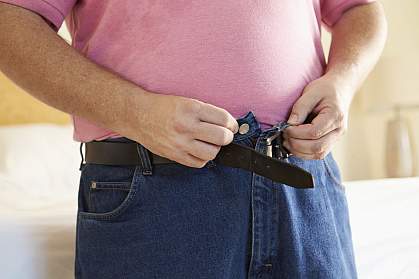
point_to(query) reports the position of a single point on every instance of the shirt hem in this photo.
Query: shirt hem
(43, 8)
(332, 16)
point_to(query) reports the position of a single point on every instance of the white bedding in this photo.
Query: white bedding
(385, 227)
(38, 200)
(39, 242)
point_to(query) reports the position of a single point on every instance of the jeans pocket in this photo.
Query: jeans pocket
(333, 172)
(107, 196)
(105, 192)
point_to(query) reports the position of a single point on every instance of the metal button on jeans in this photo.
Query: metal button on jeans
(244, 128)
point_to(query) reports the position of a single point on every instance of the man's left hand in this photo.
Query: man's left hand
(329, 103)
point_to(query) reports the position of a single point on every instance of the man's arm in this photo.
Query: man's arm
(358, 39)
(38, 60)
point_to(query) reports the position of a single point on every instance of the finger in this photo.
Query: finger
(306, 156)
(203, 151)
(213, 134)
(303, 107)
(218, 116)
(322, 124)
(312, 147)
(191, 161)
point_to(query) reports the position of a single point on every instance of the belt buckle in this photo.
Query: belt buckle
(274, 146)
(269, 144)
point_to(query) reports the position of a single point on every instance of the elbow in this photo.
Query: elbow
(375, 18)
(9, 22)
(15, 25)
(367, 20)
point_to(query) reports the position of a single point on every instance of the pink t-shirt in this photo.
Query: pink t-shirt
(241, 55)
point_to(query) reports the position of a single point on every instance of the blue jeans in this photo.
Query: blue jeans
(214, 222)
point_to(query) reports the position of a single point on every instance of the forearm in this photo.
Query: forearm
(39, 61)
(357, 41)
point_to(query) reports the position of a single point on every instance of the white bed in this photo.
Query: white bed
(385, 227)
(38, 199)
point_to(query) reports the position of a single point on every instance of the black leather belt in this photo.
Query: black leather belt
(232, 155)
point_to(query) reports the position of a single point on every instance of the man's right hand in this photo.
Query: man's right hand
(184, 130)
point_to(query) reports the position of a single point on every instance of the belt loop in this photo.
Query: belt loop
(146, 166)
(82, 157)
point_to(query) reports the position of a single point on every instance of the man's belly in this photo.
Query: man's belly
(246, 61)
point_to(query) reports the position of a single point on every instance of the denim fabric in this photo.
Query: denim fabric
(218, 222)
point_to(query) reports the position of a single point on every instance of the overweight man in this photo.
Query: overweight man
(201, 122)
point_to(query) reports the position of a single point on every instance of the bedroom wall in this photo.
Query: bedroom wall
(17, 107)
(361, 153)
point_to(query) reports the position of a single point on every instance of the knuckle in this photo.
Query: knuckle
(181, 126)
(225, 119)
(200, 165)
(211, 156)
(293, 144)
(340, 117)
(226, 137)
(315, 133)
(178, 146)
(318, 156)
(191, 163)
(184, 161)
(195, 165)
(194, 106)
(214, 153)
(218, 140)
(234, 126)
(317, 148)
(207, 156)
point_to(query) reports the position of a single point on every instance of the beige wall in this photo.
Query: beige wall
(361, 153)
(17, 107)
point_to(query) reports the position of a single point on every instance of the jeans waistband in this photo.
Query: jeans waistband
(254, 129)
(249, 135)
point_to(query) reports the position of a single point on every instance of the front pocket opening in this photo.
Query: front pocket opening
(124, 186)
(107, 196)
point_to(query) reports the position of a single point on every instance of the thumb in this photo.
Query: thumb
(303, 107)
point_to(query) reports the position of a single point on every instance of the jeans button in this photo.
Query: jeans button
(244, 128)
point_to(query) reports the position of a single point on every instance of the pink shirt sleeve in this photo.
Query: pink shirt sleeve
(54, 11)
(332, 10)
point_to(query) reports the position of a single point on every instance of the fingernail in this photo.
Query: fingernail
(293, 119)
(236, 128)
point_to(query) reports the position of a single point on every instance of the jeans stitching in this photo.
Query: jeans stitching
(107, 185)
(122, 207)
(111, 188)
(332, 176)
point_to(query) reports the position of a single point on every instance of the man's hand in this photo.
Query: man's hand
(326, 100)
(184, 130)
(357, 42)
